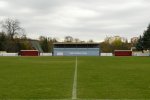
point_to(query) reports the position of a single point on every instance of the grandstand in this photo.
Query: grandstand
(76, 49)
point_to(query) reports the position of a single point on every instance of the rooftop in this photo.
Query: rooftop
(76, 43)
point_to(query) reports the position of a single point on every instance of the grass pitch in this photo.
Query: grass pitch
(114, 77)
(36, 77)
(53, 77)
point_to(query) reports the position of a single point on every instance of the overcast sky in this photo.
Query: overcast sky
(84, 19)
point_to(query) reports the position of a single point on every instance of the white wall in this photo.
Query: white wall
(16, 54)
(106, 54)
(8, 54)
(140, 54)
(45, 54)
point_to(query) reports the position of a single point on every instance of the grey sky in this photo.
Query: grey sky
(84, 19)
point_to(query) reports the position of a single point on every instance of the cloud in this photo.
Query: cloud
(85, 19)
(3, 4)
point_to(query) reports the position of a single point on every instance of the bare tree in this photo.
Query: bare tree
(12, 27)
(68, 39)
(77, 40)
(91, 41)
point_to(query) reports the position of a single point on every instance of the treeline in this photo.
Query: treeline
(13, 38)
(23, 43)
(47, 43)
(117, 44)
(142, 44)
(144, 40)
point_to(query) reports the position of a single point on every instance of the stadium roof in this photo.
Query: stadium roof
(76, 43)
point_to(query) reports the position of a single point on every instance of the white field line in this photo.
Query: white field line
(74, 90)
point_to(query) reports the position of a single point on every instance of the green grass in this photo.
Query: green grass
(36, 77)
(114, 77)
(52, 77)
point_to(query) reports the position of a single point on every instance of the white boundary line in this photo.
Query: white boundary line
(74, 90)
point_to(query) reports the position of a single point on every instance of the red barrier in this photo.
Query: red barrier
(123, 53)
(29, 53)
